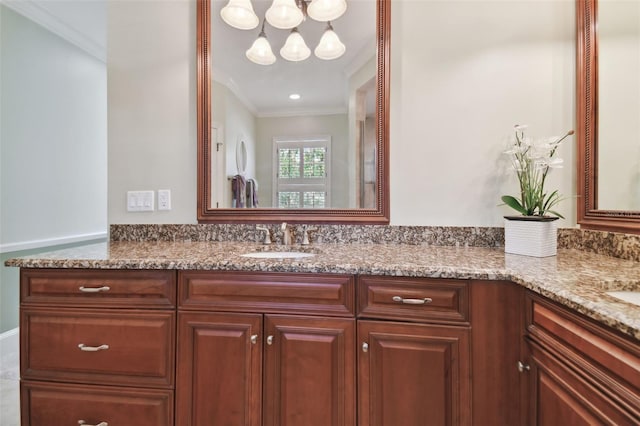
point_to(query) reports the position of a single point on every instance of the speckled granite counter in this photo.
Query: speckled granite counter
(574, 278)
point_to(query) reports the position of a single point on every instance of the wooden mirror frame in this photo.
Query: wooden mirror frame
(589, 216)
(206, 214)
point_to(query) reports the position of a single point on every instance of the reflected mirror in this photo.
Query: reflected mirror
(608, 108)
(312, 131)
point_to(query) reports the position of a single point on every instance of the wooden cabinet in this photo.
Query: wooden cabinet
(238, 365)
(88, 356)
(64, 404)
(580, 372)
(100, 346)
(278, 349)
(309, 376)
(219, 377)
(413, 373)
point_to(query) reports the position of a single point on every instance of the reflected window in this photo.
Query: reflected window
(303, 178)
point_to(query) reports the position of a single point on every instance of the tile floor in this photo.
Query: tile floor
(10, 390)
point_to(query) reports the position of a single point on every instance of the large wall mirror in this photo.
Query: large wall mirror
(608, 114)
(310, 124)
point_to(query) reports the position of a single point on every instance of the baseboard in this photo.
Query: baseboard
(51, 242)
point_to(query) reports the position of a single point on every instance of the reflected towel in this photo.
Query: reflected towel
(252, 193)
(238, 191)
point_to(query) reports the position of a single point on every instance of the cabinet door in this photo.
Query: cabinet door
(413, 374)
(219, 372)
(309, 371)
(562, 396)
(581, 372)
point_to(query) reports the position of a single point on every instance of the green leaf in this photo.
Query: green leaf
(555, 213)
(514, 203)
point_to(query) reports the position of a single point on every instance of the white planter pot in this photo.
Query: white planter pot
(531, 237)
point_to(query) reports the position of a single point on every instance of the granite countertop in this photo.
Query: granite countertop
(574, 278)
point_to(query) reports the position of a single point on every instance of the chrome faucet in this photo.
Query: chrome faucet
(287, 237)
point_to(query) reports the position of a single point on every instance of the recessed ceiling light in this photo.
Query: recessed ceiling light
(294, 96)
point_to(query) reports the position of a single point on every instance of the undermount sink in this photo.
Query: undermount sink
(627, 296)
(278, 255)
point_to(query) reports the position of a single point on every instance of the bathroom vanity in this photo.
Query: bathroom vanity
(194, 334)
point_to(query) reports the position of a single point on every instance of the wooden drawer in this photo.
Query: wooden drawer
(413, 299)
(599, 356)
(267, 292)
(45, 404)
(98, 288)
(140, 346)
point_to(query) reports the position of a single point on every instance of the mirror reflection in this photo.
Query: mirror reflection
(303, 119)
(618, 120)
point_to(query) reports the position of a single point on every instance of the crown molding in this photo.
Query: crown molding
(366, 54)
(303, 112)
(40, 15)
(223, 78)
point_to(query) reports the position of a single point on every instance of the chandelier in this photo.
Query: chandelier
(287, 15)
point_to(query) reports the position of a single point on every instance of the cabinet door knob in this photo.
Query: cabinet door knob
(254, 339)
(86, 348)
(83, 423)
(365, 347)
(522, 367)
(269, 340)
(412, 301)
(94, 289)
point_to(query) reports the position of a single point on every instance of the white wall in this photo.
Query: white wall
(53, 148)
(462, 74)
(238, 124)
(355, 83)
(334, 125)
(53, 140)
(151, 57)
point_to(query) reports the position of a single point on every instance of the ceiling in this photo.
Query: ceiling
(321, 84)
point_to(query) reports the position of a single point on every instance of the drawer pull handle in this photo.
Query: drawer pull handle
(94, 289)
(269, 340)
(365, 347)
(412, 301)
(85, 348)
(83, 423)
(254, 339)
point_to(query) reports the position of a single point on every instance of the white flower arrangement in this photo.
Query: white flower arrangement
(532, 161)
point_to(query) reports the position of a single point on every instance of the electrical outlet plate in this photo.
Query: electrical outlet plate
(164, 199)
(140, 201)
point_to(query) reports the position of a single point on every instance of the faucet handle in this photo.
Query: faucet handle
(288, 236)
(267, 234)
(305, 234)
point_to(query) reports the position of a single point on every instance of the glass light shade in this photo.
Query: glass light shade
(330, 46)
(284, 14)
(326, 10)
(295, 49)
(239, 14)
(260, 52)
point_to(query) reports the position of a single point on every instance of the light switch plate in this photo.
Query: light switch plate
(140, 201)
